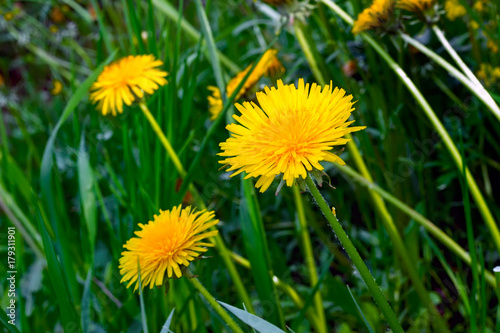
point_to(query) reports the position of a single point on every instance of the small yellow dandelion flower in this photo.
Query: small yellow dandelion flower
(375, 16)
(56, 87)
(474, 25)
(53, 28)
(454, 9)
(163, 246)
(269, 65)
(9, 16)
(293, 130)
(492, 46)
(416, 6)
(125, 80)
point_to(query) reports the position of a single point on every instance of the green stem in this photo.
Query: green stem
(309, 257)
(356, 258)
(474, 189)
(216, 306)
(419, 218)
(474, 86)
(219, 243)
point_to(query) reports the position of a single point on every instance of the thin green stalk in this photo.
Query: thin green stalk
(216, 306)
(473, 188)
(219, 243)
(476, 88)
(356, 258)
(419, 218)
(305, 239)
(380, 206)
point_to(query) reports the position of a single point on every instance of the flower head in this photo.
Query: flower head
(268, 65)
(375, 16)
(454, 9)
(125, 80)
(164, 245)
(57, 87)
(416, 6)
(293, 130)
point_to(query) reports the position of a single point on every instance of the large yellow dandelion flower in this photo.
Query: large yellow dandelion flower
(454, 9)
(293, 130)
(125, 80)
(416, 6)
(375, 16)
(269, 65)
(164, 245)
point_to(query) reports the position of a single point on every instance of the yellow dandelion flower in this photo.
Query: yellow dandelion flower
(9, 16)
(416, 6)
(454, 9)
(474, 25)
(269, 65)
(125, 80)
(56, 87)
(293, 130)
(492, 46)
(479, 5)
(165, 245)
(375, 16)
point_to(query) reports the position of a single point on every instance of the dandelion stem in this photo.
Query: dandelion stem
(216, 306)
(474, 189)
(356, 258)
(219, 243)
(309, 257)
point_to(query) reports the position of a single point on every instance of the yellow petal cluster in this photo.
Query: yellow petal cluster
(375, 16)
(172, 240)
(268, 65)
(125, 80)
(293, 130)
(454, 9)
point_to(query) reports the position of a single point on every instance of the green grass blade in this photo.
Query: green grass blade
(86, 184)
(258, 324)
(66, 308)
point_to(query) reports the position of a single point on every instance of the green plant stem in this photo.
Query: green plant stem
(216, 306)
(417, 217)
(356, 258)
(379, 204)
(219, 243)
(474, 86)
(305, 239)
(473, 188)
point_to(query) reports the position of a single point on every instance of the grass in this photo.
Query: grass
(417, 198)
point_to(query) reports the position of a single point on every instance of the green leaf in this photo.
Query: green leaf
(68, 314)
(4, 319)
(258, 324)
